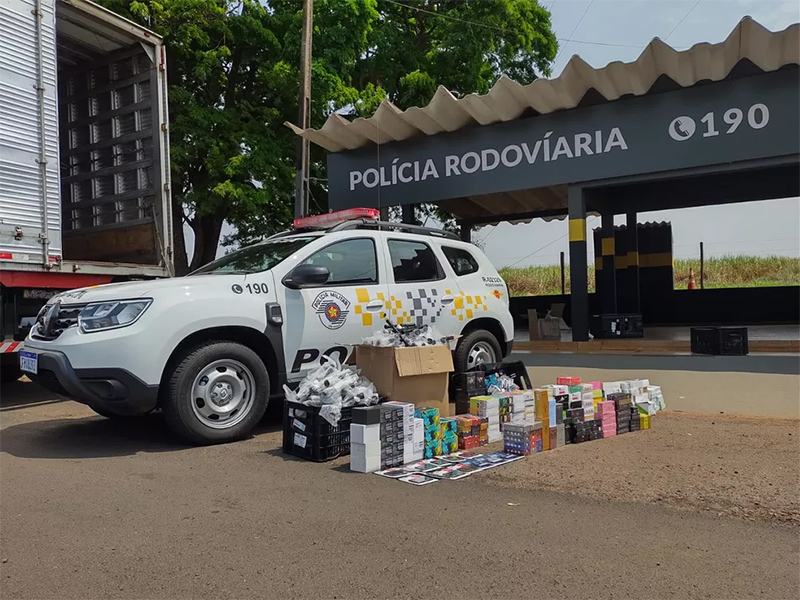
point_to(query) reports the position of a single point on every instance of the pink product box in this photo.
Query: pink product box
(596, 385)
(609, 433)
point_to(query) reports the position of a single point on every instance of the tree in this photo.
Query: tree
(465, 46)
(233, 73)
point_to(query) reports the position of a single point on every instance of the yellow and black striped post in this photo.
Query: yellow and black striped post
(608, 287)
(578, 280)
(633, 263)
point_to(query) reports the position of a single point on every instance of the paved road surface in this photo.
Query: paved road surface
(93, 509)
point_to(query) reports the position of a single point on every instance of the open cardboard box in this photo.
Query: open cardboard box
(419, 375)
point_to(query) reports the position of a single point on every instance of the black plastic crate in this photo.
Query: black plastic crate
(611, 326)
(728, 341)
(307, 435)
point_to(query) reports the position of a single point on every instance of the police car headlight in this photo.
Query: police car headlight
(101, 316)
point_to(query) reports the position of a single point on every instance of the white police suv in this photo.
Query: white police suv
(210, 348)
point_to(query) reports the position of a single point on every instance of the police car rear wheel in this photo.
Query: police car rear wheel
(476, 348)
(217, 393)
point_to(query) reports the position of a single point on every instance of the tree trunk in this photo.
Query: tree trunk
(179, 258)
(207, 229)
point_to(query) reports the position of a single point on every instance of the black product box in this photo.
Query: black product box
(575, 404)
(366, 415)
(563, 398)
(576, 414)
(559, 413)
(391, 413)
(388, 427)
(619, 396)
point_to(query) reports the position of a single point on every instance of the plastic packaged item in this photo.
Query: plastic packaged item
(407, 336)
(332, 386)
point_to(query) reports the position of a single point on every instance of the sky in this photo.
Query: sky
(755, 228)
(602, 31)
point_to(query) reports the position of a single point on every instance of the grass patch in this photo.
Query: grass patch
(723, 272)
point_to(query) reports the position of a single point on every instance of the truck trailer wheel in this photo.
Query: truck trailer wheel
(476, 348)
(218, 392)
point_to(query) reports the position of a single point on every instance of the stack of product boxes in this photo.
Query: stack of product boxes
(432, 431)
(504, 403)
(518, 438)
(468, 428)
(636, 423)
(644, 420)
(529, 410)
(542, 398)
(622, 404)
(587, 400)
(552, 417)
(488, 407)
(449, 435)
(413, 432)
(392, 431)
(365, 439)
(518, 404)
(608, 418)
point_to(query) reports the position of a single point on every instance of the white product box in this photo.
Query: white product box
(411, 457)
(612, 387)
(365, 450)
(419, 431)
(365, 458)
(365, 464)
(365, 434)
(561, 390)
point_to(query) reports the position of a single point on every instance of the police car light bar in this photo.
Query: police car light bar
(334, 218)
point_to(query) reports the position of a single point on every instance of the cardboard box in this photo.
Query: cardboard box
(418, 375)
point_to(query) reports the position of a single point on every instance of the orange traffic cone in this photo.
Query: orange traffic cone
(692, 283)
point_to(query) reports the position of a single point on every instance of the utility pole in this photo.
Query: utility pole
(304, 120)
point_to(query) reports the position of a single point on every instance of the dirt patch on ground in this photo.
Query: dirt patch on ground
(743, 467)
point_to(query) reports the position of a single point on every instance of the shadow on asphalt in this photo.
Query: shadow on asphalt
(92, 437)
(98, 437)
(23, 393)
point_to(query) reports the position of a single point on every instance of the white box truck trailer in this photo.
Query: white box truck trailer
(84, 157)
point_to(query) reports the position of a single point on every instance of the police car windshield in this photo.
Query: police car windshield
(254, 259)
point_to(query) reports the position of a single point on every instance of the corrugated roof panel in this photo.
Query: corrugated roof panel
(507, 99)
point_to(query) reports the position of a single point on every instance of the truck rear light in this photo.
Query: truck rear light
(6, 256)
(334, 218)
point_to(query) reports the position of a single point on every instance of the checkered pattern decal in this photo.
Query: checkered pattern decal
(421, 306)
(465, 307)
(424, 307)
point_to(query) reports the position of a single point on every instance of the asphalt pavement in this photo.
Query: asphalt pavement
(92, 508)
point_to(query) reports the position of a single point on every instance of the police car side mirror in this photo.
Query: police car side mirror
(306, 276)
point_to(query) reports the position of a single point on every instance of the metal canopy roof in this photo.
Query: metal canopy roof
(749, 49)
(508, 100)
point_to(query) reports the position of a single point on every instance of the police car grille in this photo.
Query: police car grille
(67, 317)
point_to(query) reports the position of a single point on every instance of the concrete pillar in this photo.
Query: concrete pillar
(578, 280)
(408, 214)
(633, 262)
(608, 274)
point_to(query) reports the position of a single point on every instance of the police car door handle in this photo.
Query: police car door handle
(447, 299)
(375, 305)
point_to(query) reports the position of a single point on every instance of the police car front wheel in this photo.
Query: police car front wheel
(217, 393)
(476, 348)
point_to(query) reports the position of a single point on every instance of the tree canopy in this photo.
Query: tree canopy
(233, 73)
